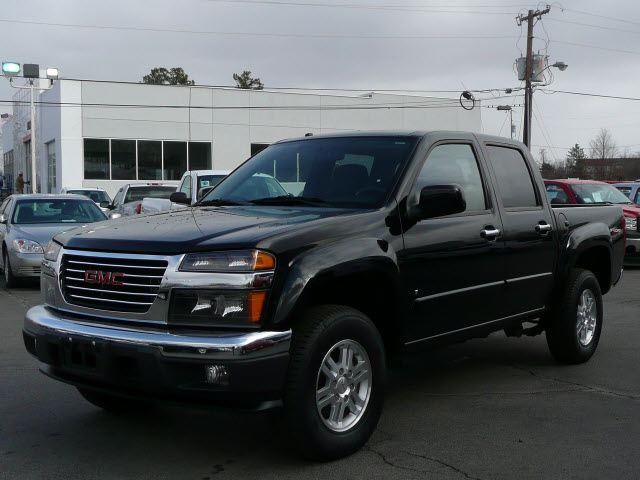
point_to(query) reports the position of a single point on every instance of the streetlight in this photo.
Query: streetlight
(507, 108)
(31, 72)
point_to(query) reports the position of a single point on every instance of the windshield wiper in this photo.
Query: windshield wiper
(290, 200)
(218, 202)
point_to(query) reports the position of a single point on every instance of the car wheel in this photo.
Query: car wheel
(573, 329)
(113, 403)
(10, 279)
(335, 384)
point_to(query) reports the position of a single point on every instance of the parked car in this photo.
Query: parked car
(397, 241)
(198, 181)
(128, 198)
(99, 196)
(27, 224)
(630, 189)
(585, 192)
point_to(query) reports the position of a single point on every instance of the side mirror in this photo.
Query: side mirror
(180, 197)
(440, 200)
(3, 219)
(105, 204)
(204, 192)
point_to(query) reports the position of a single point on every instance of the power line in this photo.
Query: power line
(587, 94)
(592, 25)
(596, 47)
(597, 15)
(259, 34)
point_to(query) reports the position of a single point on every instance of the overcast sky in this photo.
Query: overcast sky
(364, 63)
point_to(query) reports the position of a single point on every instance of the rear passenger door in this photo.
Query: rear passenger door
(527, 230)
(452, 268)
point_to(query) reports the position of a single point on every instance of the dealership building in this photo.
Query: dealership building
(106, 134)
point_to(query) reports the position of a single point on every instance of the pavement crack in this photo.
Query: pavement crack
(15, 297)
(444, 464)
(583, 386)
(389, 462)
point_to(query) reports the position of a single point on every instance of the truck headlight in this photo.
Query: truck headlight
(51, 251)
(223, 308)
(27, 246)
(631, 224)
(236, 261)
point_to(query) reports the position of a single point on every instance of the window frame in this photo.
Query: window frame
(489, 206)
(534, 181)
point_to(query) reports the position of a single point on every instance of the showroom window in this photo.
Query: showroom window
(199, 155)
(51, 166)
(96, 159)
(175, 160)
(149, 160)
(123, 159)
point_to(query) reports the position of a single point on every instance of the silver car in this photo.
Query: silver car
(27, 224)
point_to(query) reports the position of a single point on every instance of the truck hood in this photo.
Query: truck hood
(194, 229)
(631, 210)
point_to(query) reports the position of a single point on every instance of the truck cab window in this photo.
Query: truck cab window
(185, 186)
(513, 178)
(454, 164)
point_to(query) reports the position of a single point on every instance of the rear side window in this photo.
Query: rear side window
(514, 180)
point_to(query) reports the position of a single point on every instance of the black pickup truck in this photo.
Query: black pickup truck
(388, 241)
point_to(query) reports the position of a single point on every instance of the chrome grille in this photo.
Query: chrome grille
(138, 282)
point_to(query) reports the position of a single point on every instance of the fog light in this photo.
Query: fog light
(216, 375)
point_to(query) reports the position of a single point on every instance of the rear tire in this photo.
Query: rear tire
(573, 328)
(10, 280)
(113, 403)
(335, 384)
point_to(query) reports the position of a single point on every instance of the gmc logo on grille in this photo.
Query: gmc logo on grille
(98, 277)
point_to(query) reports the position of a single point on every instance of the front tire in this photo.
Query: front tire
(573, 329)
(335, 384)
(10, 280)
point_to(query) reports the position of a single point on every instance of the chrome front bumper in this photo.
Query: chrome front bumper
(41, 320)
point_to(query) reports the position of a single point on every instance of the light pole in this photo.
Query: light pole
(507, 108)
(31, 72)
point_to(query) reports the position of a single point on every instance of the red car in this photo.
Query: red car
(585, 192)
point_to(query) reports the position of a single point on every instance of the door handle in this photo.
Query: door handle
(543, 228)
(490, 234)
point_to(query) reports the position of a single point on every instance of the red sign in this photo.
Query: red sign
(98, 277)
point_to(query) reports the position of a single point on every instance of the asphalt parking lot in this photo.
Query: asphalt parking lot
(492, 408)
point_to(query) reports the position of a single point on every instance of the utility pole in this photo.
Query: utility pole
(528, 93)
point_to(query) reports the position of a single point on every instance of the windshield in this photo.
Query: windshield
(598, 193)
(136, 194)
(354, 172)
(97, 196)
(56, 211)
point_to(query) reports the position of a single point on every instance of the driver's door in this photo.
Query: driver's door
(452, 270)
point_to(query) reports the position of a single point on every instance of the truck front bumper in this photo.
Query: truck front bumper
(238, 369)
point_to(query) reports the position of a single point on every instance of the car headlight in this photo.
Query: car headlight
(631, 224)
(27, 246)
(222, 308)
(51, 251)
(237, 261)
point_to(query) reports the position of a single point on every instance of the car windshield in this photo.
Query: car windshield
(355, 172)
(598, 193)
(97, 196)
(136, 194)
(66, 210)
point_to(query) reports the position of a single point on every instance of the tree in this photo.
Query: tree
(575, 161)
(603, 146)
(246, 81)
(162, 76)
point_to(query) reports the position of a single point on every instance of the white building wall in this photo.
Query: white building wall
(218, 115)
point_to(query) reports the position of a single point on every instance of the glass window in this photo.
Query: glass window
(97, 196)
(637, 199)
(556, 194)
(185, 186)
(199, 155)
(257, 148)
(454, 164)
(136, 194)
(51, 167)
(625, 190)
(598, 193)
(96, 159)
(123, 159)
(56, 211)
(331, 177)
(175, 160)
(149, 160)
(514, 179)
